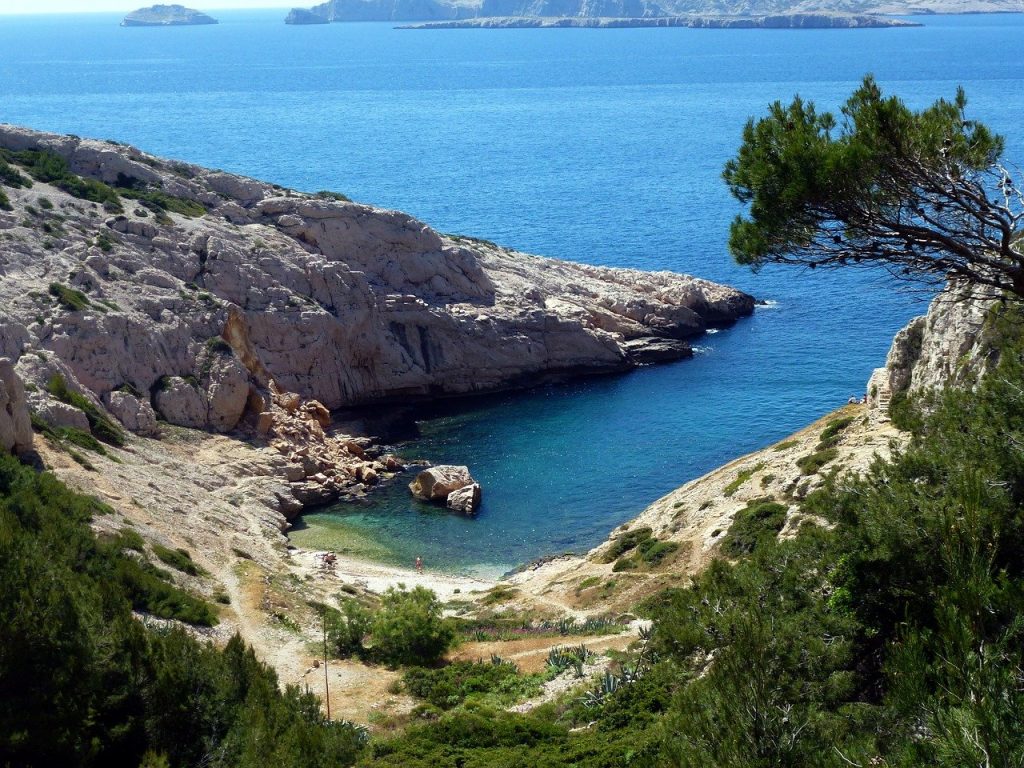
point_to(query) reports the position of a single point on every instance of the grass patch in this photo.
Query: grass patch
(625, 542)
(100, 425)
(812, 463)
(832, 432)
(325, 194)
(649, 553)
(179, 559)
(126, 538)
(500, 594)
(11, 176)
(104, 241)
(496, 682)
(69, 298)
(50, 168)
(162, 203)
(760, 520)
(741, 478)
(786, 445)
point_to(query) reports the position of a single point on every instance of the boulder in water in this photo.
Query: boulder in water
(465, 499)
(435, 483)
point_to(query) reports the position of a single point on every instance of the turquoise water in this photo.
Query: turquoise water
(595, 145)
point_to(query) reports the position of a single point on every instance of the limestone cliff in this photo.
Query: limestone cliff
(947, 346)
(717, 12)
(15, 423)
(160, 288)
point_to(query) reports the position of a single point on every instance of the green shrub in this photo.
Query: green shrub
(648, 553)
(348, 628)
(12, 177)
(654, 554)
(160, 202)
(126, 538)
(101, 426)
(813, 462)
(104, 241)
(409, 629)
(786, 445)
(217, 345)
(82, 439)
(832, 432)
(5, 202)
(179, 559)
(760, 520)
(69, 298)
(328, 195)
(741, 478)
(449, 686)
(905, 412)
(624, 542)
(51, 168)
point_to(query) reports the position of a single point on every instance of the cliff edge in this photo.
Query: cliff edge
(194, 293)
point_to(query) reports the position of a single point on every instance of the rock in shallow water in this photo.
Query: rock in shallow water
(436, 483)
(465, 500)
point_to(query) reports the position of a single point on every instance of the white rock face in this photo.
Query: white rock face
(58, 414)
(136, 415)
(465, 500)
(436, 483)
(943, 347)
(338, 302)
(15, 424)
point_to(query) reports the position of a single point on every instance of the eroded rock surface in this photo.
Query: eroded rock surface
(436, 483)
(198, 289)
(15, 424)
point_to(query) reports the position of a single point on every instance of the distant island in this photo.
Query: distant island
(166, 16)
(789, 14)
(782, 21)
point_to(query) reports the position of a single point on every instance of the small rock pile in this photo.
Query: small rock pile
(320, 467)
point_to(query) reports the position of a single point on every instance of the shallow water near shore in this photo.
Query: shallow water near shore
(604, 146)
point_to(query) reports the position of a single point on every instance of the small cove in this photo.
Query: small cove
(602, 146)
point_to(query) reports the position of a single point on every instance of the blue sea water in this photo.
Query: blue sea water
(603, 146)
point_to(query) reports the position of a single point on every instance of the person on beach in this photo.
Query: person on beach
(419, 564)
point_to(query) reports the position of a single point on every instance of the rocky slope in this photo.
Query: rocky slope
(451, 10)
(781, 21)
(195, 313)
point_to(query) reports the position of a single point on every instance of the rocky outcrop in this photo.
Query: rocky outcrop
(789, 14)
(166, 16)
(436, 483)
(135, 414)
(226, 287)
(15, 423)
(775, 21)
(946, 346)
(465, 499)
(301, 16)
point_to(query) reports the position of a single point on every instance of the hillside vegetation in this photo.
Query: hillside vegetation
(890, 637)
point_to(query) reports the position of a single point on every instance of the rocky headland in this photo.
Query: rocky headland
(779, 21)
(166, 16)
(164, 293)
(711, 14)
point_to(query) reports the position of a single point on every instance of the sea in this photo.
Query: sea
(603, 146)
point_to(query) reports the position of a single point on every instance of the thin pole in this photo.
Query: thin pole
(327, 684)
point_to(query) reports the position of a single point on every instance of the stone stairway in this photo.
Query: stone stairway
(879, 394)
